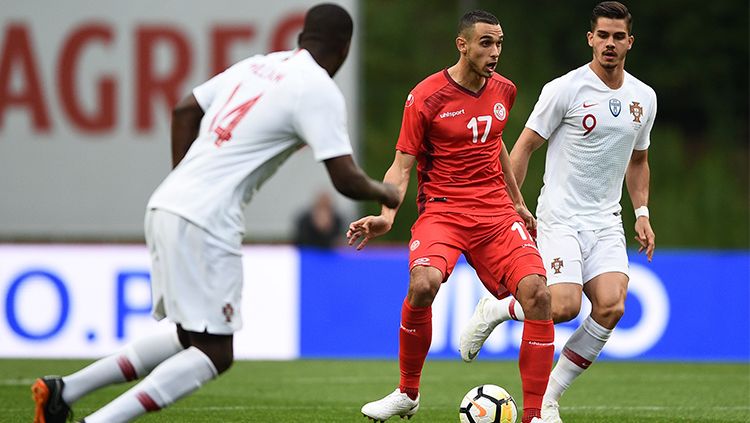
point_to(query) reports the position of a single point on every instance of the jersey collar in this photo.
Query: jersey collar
(461, 88)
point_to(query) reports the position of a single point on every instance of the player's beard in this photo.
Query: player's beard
(610, 64)
(482, 70)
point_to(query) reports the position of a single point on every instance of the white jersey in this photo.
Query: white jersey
(257, 113)
(592, 131)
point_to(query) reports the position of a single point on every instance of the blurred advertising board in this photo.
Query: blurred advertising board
(86, 90)
(87, 301)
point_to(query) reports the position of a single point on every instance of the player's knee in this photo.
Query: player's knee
(564, 312)
(222, 359)
(608, 315)
(534, 296)
(422, 293)
(423, 286)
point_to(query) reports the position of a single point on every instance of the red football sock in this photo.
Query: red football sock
(535, 363)
(414, 339)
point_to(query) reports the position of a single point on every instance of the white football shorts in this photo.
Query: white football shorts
(196, 278)
(575, 256)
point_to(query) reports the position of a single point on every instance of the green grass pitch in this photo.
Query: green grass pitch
(330, 391)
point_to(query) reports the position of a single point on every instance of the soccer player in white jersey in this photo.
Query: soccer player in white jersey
(228, 136)
(597, 120)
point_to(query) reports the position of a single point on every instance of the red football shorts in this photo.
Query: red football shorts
(499, 248)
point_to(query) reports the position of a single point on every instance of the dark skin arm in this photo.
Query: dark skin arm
(186, 122)
(351, 181)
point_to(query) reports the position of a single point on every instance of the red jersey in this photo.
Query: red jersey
(456, 136)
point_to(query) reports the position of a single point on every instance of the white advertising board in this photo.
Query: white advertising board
(89, 301)
(85, 96)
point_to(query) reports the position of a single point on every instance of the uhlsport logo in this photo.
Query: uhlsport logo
(452, 114)
(414, 245)
(500, 112)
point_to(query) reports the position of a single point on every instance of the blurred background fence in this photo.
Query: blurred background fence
(693, 53)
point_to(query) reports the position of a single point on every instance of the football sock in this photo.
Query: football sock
(173, 379)
(503, 310)
(134, 361)
(579, 352)
(415, 336)
(535, 362)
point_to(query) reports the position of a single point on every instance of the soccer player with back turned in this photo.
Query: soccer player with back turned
(228, 136)
(597, 120)
(468, 204)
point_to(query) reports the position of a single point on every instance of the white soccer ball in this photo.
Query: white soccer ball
(487, 404)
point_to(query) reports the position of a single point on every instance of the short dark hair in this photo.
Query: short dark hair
(470, 18)
(327, 24)
(611, 10)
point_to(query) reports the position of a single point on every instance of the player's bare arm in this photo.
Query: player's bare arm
(370, 227)
(514, 192)
(351, 181)
(186, 122)
(637, 181)
(528, 142)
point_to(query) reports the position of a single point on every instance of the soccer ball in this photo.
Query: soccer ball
(487, 404)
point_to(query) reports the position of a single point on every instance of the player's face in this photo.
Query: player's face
(483, 47)
(610, 41)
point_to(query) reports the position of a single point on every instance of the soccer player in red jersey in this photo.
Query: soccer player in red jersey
(468, 203)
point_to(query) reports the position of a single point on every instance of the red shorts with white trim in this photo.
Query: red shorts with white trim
(498, 247)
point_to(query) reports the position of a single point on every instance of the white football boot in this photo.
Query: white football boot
(551, 412)
(394, 404)
(476, 332)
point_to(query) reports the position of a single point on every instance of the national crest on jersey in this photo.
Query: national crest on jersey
(592, 131)
(456, 136)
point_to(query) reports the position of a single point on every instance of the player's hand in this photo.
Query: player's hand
(367, 228)
(645, 236)
(528, 219)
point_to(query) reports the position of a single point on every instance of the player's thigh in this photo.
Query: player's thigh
(198, 283)
(607, 253)
(504, 254)
(436, 241)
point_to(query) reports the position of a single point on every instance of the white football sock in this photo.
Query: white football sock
(503, 310)
(173, 379)
(579, 352)
(134, 361)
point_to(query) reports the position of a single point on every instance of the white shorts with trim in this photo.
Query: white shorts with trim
(575, 256)
(196, 278)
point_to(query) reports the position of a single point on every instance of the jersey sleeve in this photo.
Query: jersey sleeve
(644, 136)
(549, 110)
(320, 120)
(413, 125)
(206, 92)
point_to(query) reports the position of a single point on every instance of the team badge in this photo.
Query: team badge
(228, 312)
(556, 265)
(615, 107)
(409, 100)
(414, 245)
(637, 111)
(500, 112)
